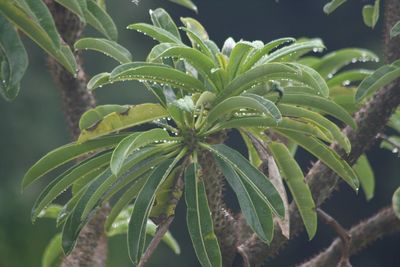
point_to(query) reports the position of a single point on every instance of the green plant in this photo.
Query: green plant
(270, 93)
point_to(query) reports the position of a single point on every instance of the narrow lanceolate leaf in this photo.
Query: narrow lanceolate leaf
(163, 20)
(65, 154)
(345, 78)
(133, 142)
(94, 115)
(141, 209)
(115, 121)
(333, 62)
(313, 79)
(300, 191)
(44, 18)
(120, 226)
(195, 27)
(395, 31)
(198, 217)
(292, 111)
(321, 104)
(332, 5)
(238, 56)
(74, 223)
(254, 207)
(186, 3)
(257, 55)
(236, 103)
(381, 77)
(100, 20)
(13, 59)
(366, 176)
(326, 155)
(34, 31)
(159, 34)
(52, 252)
(197, 59)
(66, 179)
(259, 74)
(371, 14)
(252, 176)
(161, 75)
(293, 51)
(75, 7)
(105, 46)
(396, 202)
(98, 81)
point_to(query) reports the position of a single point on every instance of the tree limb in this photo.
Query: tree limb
(383, 223)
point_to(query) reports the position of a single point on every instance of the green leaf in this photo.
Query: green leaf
(65, 154)
(34, 31)
(43, 17)
(345, 78)
(186, 3)
(198, 60)
(107, 47)
(313, 79)
(100, 20)
(371, 14)
(162, 75)
(52, 252)
(332, 5)
(199, 43)
(65, 180)
(199, 221)
(366, 176)
(75, 7)
(114, 122)
(292, 111)
(293, 51)
(253, 206)
(334, 61)
(195, 27)
(321, 104)
(395, 31)
(243, 102)
(98, 81)
(120, 226)
(325, 154)
(94, 115)
(255, 76)
(163, 20)
(141, 208)
(300, 191)
(392, 143)
(257, 55)
(13, 60)
(51, 212)
(134, 142)
(157, 50)
(159, 34)
(237, 57)
(396, 202)
(381, 77)
(251, 176)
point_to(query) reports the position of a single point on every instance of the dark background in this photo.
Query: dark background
(34, 124)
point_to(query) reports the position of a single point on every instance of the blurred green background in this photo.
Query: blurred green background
(34, 124)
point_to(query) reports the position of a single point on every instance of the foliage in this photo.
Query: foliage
(272, 93)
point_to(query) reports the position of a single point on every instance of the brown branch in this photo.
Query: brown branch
(91, 247)
(383, 223)
(341, 232)
(371, 119)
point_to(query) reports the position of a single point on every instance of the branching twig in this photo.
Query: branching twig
(341, 232)
(383, 223)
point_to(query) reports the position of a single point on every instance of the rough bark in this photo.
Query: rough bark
(383, 223)
(91, 248)
(371, 119)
